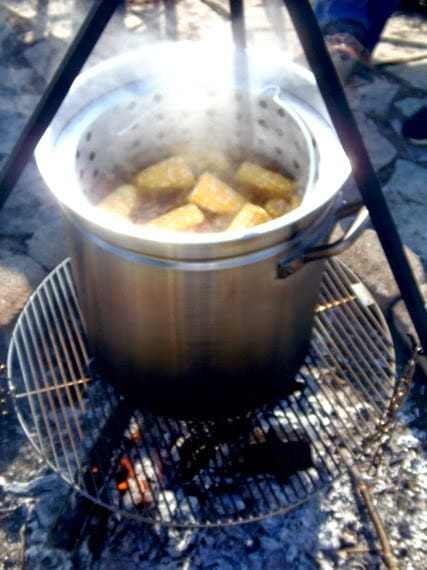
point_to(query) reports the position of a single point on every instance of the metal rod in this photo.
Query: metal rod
(94, 24)
(238, 23)
(366, 179)
(68, 343)
(241, 75)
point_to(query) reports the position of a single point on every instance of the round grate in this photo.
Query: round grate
(180, 473)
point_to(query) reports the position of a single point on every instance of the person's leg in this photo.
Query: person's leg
(352, 29)
(339, 16)
(378, 12)
(364, 19)
(344, 24)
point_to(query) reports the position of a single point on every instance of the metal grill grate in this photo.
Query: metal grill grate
(179, 473)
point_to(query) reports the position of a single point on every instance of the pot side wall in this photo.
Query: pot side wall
(201, 343)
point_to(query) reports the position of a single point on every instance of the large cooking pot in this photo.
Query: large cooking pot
(196, 325)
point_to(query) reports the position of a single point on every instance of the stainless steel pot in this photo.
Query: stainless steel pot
(202, 325)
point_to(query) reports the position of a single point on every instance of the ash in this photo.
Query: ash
(333, 530)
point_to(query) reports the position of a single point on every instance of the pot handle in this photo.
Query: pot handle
(327, 250)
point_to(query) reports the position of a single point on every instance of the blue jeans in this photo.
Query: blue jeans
(368, 16)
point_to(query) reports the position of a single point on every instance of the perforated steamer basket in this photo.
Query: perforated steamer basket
(167, 314)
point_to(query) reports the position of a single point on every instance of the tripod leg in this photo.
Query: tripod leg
(94, 24)
(364, 174)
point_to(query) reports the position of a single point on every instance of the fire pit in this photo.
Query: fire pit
(185, 473)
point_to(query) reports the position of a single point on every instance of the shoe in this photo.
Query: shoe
(347, 53)
(414, 129)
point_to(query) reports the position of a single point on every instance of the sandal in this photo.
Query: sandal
(347, 54)
(414, 128)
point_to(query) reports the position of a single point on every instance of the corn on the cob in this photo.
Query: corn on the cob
(170, 174)
(276, 207)
(120, 201)
(216, 196)
(248, 216)
(179, 219)
(264, 182)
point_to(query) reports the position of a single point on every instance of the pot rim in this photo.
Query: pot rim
(331, 171)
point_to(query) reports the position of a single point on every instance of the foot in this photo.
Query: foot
(347, 54)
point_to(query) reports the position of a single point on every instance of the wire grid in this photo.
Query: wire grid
(131, 462)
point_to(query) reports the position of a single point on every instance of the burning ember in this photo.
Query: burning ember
(215, 459)
(136, 486)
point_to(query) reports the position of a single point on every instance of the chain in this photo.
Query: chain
(4, 392)
(381, 440)
(387, 424)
